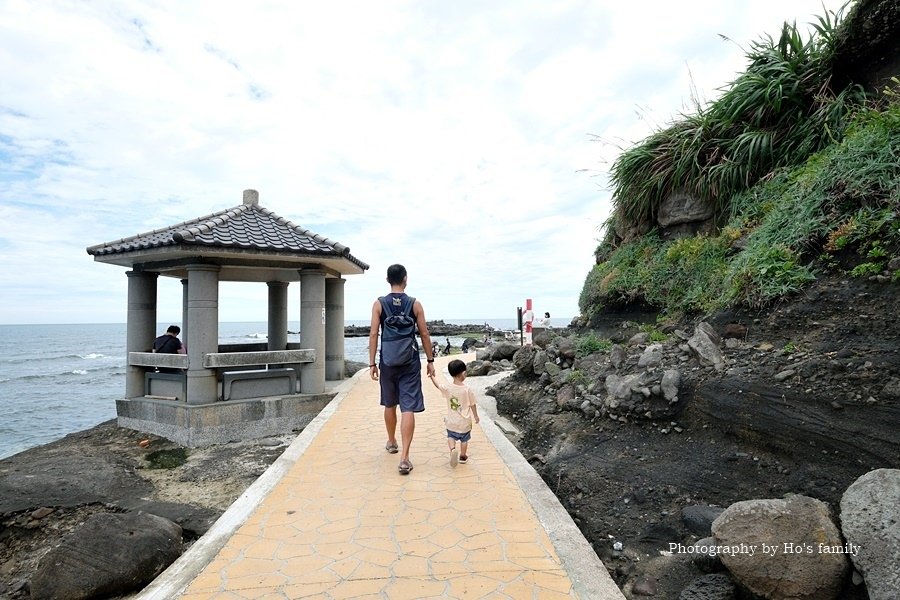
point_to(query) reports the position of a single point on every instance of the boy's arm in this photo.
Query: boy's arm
(474, 406)
(431, 377)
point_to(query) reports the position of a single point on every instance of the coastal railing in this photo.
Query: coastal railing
(158, 360)
(220, 360)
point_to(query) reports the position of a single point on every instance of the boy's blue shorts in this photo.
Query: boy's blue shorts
(403, 386)
(460, 437)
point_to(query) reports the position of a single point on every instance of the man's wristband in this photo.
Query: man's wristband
(370, 366)
(430, 360)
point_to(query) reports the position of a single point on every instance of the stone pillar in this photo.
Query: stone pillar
(203, 336)
(141, 326)
(278, 315)
(312, 329)
(334, 329)
(184, 311)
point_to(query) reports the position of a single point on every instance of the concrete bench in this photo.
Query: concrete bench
(165, 385)
(256, 383)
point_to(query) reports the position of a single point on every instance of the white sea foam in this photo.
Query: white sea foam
(93, 355)
(79, 372)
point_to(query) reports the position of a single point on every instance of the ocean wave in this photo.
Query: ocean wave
(18, 360)
(257, 336)
(47, 375)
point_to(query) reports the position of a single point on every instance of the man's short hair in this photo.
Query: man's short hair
(455, 367)
(174, 329)
(396, 274)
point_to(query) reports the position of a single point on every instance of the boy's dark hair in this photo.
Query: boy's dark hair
(174, 329)
(396, 274)
(455, 367)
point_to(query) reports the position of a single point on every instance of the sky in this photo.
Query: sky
(468, 140)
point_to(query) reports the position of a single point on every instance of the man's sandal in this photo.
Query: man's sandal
(405, 467)
(392, 448)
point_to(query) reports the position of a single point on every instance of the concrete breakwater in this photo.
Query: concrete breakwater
(435, 328)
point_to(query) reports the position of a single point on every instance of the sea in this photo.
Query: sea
(59, 379)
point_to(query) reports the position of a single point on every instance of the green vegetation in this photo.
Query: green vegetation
(167, 459)
(577, 377)
(586, 345)
(798, 174)
(775, 114)
(655, 334)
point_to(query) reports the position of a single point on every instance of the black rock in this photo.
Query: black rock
(716, 586)
(111, 554)
(658, 534)
(698, 519)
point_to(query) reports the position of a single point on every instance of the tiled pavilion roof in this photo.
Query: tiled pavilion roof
(247, 227)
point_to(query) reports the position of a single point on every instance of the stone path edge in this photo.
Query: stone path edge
(178, 576)
(585, 569)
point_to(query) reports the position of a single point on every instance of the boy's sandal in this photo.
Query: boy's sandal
(392, 448)
(405, 467)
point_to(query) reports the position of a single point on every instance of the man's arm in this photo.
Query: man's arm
(373, 338)
(419, 311)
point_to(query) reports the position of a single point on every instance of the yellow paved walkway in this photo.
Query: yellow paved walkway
(334, 519)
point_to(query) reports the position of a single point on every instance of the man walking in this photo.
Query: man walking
(399, 370)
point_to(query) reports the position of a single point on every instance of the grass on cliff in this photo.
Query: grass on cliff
(775, 114)
(844, 198)
(799, 175)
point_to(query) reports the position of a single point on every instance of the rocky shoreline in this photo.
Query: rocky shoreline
(663, 436)
(661, 444)
(62, 501)
(435, 328)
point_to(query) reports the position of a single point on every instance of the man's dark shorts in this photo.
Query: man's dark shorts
(403, 386)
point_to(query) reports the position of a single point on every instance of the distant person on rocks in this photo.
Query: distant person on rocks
(461, 410)
(399, 369)
(168, 343)
(544, 321)
(447, 348)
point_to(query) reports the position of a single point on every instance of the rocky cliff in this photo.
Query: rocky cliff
(640, 427)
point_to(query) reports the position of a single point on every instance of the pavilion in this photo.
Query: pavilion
(218, 393)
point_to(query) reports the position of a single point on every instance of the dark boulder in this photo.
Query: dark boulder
(715, 586)
(111, 554)
(699, 519)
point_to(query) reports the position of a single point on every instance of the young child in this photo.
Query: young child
(461, 409)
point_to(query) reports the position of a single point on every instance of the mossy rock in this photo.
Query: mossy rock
(167, 459)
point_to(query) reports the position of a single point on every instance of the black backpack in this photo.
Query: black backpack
(398, 331)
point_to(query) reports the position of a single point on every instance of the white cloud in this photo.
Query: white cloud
(458, 138)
